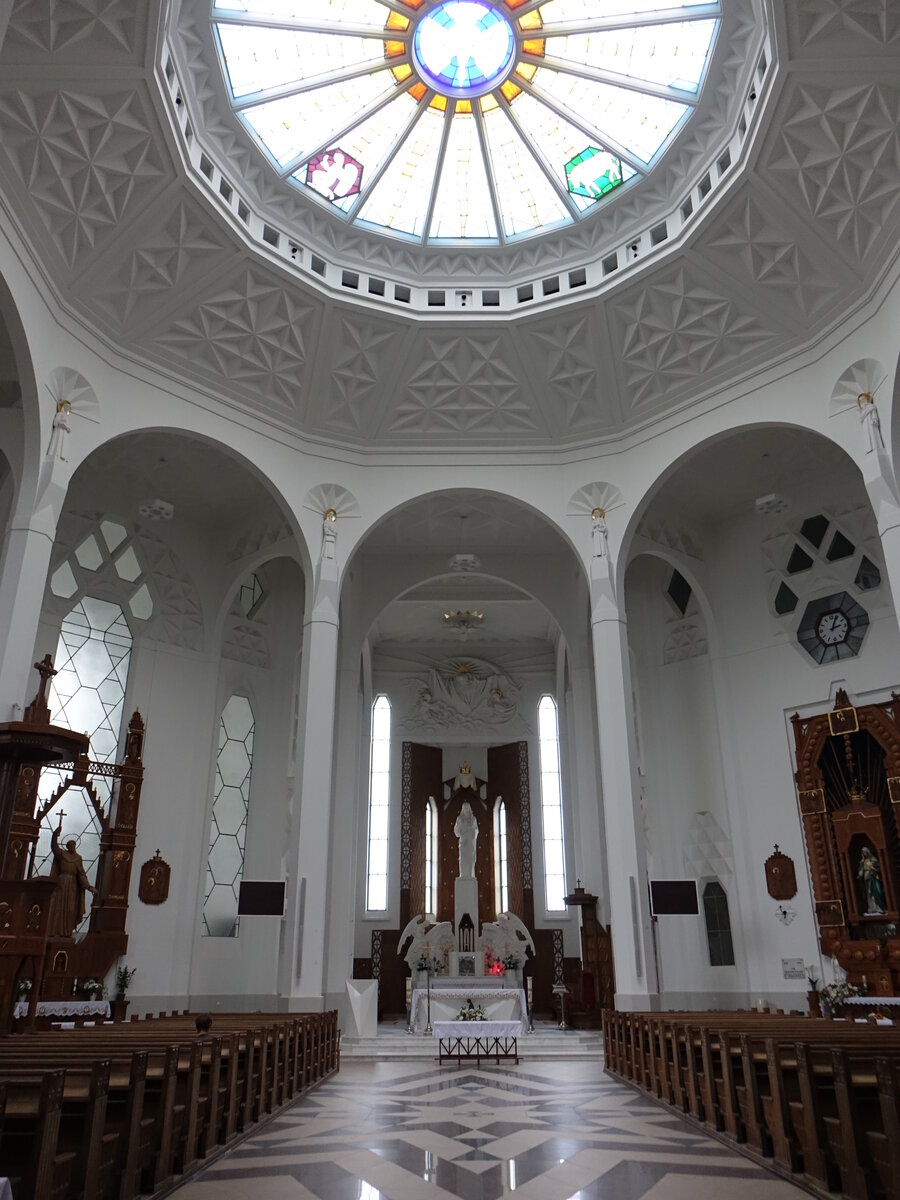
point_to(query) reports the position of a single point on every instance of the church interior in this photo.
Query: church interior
(449, 522)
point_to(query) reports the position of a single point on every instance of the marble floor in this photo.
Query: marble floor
(542, 1131)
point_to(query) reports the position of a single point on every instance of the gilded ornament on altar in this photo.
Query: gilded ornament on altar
(154, 882)
(781, 877)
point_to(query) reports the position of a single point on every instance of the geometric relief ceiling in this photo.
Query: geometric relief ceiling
(91, 173)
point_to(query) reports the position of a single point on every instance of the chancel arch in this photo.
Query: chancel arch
(460, 600)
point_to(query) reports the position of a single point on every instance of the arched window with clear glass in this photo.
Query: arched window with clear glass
(379, 806)
(501, 858)
(431, 858)
(551, 806)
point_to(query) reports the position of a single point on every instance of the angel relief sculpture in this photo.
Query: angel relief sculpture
(468, 695)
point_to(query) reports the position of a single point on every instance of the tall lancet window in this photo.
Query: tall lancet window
(228, 827)
(551, 806)
(431, 824)
(501, 858)
(379, 805)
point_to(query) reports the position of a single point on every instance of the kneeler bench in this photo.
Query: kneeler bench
(461, 1041)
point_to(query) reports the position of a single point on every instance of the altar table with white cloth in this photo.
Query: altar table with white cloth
(461, 1040)
(499, 1004)
(64, 1008)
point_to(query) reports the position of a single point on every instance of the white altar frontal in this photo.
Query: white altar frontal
(499, 1003)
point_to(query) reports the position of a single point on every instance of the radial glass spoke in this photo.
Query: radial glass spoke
(297, 124)
(642, 123)
(400, 199)
(560, 142)
(371, 142)
(674, 55)
(463, 205)
(526, 196)
(256, 62)
(586, 10)
(356, 12)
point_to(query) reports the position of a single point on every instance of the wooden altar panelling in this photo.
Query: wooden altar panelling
(422, 771)
(23, 831)
(834, 886)
(507, 777)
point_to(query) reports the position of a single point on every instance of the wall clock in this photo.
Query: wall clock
(833, 627)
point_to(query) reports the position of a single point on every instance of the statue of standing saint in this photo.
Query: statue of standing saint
(68, 871)
(466, 829)
(870, 873)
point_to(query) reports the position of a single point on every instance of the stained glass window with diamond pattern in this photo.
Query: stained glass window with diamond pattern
(228, 828)
(464, 120)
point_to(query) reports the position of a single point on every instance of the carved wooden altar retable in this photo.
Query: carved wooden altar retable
(848, 789)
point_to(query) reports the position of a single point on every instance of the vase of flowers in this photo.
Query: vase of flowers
(512, 967)
(23, 991)
(470, 1012)
(833, 995)
(93, 989)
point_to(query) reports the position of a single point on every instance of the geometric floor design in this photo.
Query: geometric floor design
(384, 1130)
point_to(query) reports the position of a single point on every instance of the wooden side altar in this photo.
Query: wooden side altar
(848, 790)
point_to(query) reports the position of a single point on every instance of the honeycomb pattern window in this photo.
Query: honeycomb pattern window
(718, 925)
(108, 552)
(551, 806)
(810, 562)
(431, 857)
(379, 806)
(463, 120)
(88, 694)
(228, 827)
(501, 858)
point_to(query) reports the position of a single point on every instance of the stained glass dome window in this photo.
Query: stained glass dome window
(448, 121)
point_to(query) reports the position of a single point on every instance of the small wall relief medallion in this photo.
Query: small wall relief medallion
(154, 882)
(781, 878)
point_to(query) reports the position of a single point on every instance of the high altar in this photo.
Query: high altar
(466, 956)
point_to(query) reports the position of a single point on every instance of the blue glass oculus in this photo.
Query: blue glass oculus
(464, 48)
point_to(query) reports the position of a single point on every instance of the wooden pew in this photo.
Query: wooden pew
(141, 1102)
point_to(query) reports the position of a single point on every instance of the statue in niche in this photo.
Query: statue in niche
(60, 431)
(466, 829)
(329, 533)
(599, 533)
(68, 871)
(871, 422)
(870, 873)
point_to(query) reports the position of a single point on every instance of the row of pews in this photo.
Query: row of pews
(118, 1111)
(820, 1098)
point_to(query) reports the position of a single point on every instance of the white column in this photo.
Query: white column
(589, 840)
(303, 960)
(23, 576)
(636, 986)
(888, 517)
(344, 847)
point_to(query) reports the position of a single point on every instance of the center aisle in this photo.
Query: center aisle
(388, 1130)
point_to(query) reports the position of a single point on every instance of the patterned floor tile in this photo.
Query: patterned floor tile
(539, 1131)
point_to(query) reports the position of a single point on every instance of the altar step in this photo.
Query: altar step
(547, 1041)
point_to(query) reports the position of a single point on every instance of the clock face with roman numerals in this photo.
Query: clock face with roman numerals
(833, 628)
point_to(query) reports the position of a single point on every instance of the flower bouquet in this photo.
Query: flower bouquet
(511, 963)
(470, 1012)
(23, 990)
(833, 995)
(93, 989)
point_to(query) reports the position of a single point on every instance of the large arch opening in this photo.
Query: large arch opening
(734, 561)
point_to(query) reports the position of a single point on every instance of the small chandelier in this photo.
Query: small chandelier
(463, 619)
